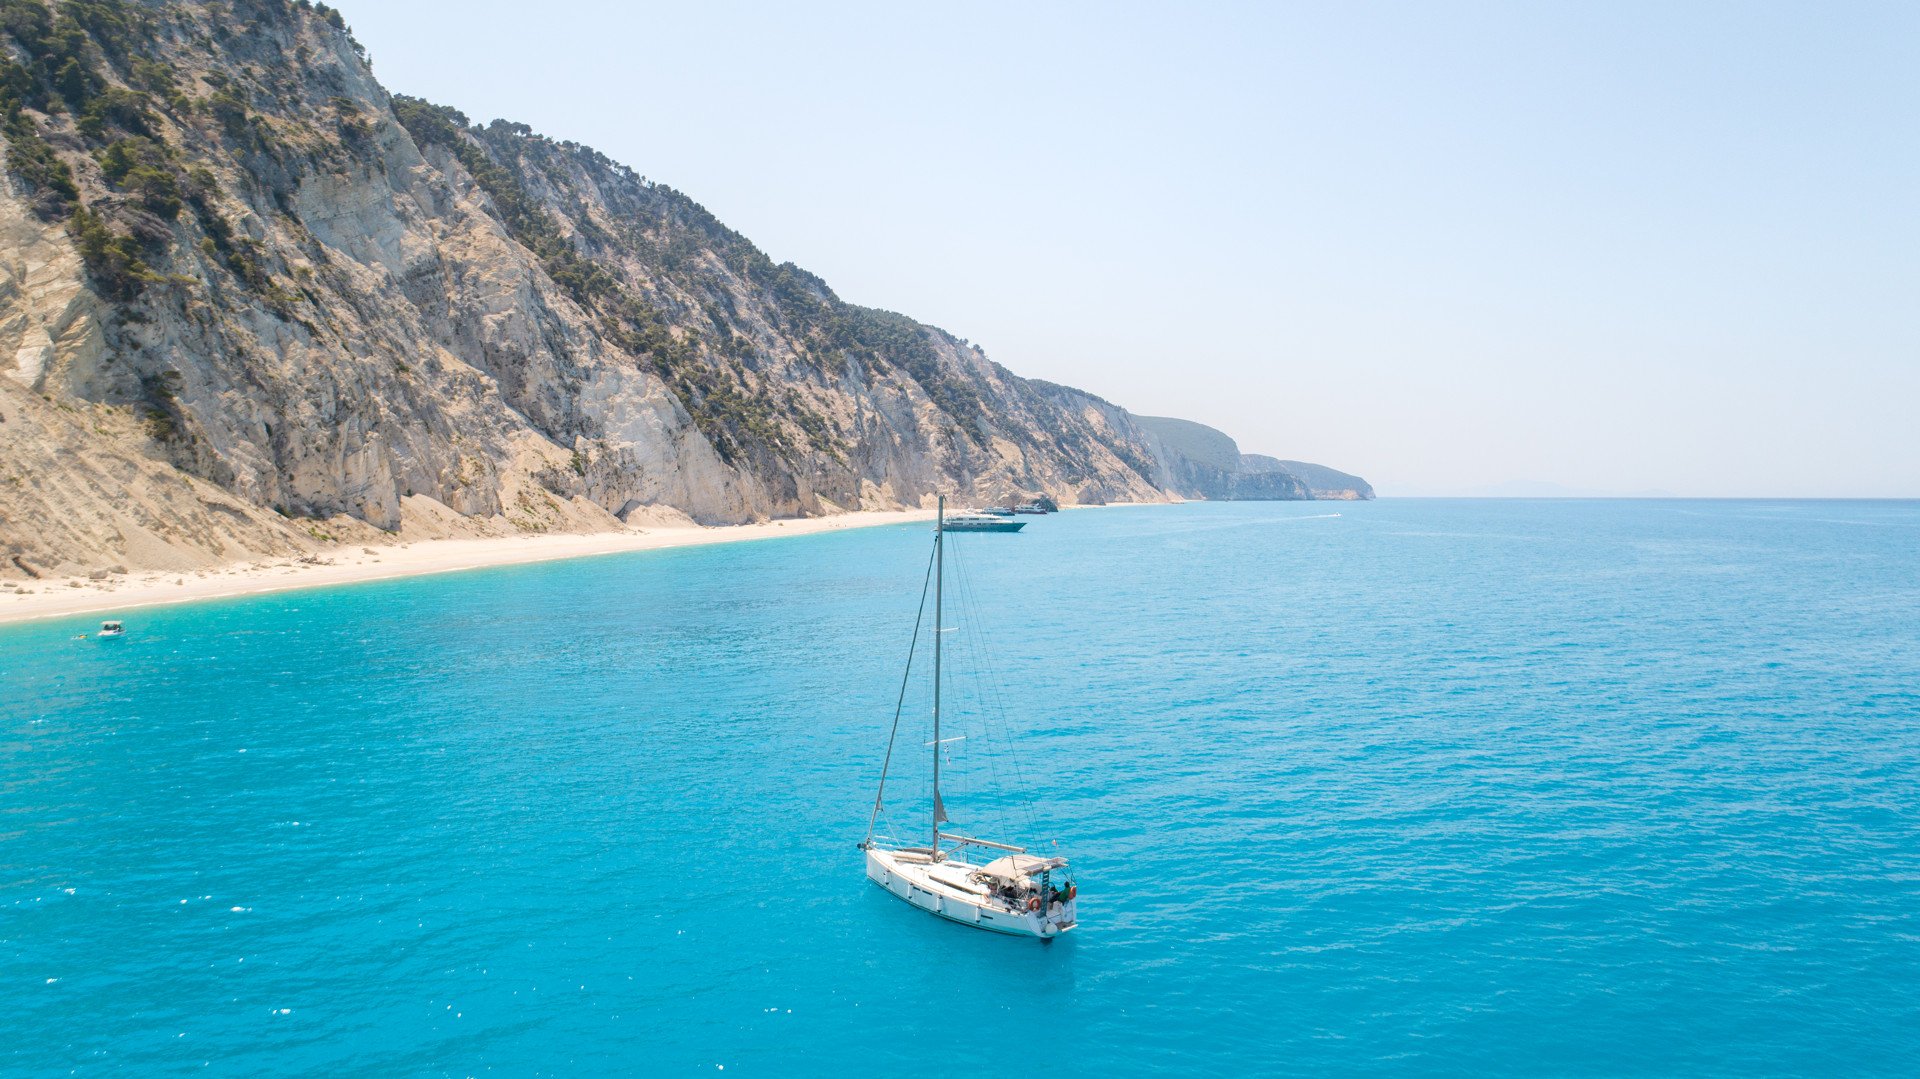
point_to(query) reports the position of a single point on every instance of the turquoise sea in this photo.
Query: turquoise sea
(1407, 787)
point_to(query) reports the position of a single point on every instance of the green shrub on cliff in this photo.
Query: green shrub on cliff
(120, 107)
(113, 260)
(55, 49)
(114, 25)
(229, 108)
(30, 158)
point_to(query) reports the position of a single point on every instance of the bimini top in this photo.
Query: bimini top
(1017, 867)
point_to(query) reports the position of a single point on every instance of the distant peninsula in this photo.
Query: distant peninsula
(254, 306)
(1197, 461)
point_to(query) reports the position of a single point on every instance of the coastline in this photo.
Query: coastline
(61, 597)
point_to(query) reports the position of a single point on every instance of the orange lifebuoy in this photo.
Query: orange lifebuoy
(1034, 903)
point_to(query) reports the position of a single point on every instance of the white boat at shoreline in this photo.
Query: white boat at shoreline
(985, 521)
(1016, 893)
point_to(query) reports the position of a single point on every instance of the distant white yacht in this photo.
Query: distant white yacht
(1013, 892)
(987, 521)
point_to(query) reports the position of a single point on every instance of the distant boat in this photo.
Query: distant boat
(1020, 894)
(111, 629)
(979, 522)
(999, 511)
(1032, 508)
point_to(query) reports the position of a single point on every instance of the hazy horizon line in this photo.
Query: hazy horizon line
(1651, 498)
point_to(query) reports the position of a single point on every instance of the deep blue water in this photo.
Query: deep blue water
(1433, 787)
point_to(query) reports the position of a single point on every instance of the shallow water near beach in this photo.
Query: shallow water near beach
(1437, 787)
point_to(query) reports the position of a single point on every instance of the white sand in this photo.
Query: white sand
(56, 597)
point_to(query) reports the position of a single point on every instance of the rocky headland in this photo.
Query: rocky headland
(252, 306)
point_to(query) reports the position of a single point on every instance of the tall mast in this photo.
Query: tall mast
(939, 578)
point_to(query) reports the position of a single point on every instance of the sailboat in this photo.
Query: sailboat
(1005, 890)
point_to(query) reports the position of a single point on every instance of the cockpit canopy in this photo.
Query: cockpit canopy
(1020, 868)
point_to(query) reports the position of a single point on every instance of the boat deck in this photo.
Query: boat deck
(945, 888)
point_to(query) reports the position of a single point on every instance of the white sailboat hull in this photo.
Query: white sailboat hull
(940, 889)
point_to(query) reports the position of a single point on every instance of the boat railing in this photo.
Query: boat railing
(969, 841)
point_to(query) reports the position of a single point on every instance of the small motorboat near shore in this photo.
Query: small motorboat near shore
(966, 521)
(111, 629)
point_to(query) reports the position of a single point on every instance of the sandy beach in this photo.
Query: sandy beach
(56, 597)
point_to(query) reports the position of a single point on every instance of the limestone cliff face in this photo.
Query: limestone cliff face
(1197, 461)
(1321, 482)
(251, 304)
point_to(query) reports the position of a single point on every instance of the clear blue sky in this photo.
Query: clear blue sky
(1610, 246)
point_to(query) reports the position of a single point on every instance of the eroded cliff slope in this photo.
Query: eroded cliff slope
(252, 304)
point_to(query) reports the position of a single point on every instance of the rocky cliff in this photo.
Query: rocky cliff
(1193, 460)
(1320, 481)
(253, 305)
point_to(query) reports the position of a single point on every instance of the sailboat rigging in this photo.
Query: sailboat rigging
(1017, 893)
